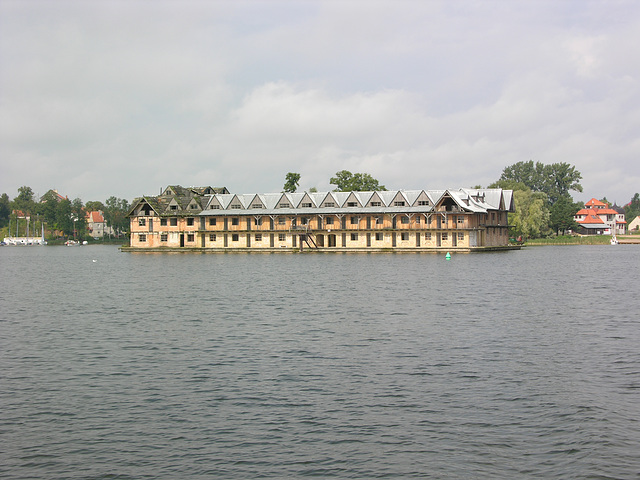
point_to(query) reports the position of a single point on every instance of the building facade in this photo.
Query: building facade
(598, 218)
(211, 219)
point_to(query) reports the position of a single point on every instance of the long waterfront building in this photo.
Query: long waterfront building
(212, 219)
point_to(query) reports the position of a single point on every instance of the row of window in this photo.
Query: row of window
(282, 237)
(173, 221)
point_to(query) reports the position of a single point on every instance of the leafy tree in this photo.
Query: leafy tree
(48, 207)
(94, 206)
(561, 215)
(555, 180)
(24, 201)
(345, 181)
(531, 217)
(632, 209)
(115, 214)
(64, 217)
(291, 183)
(79, 218)
(5, 209)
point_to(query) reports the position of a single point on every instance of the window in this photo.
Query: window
(257, 205)
(460, 220)
(236, 206)
(163, 237)
(404, 219)
(354, 237)
(259, 221)
(427, 236)
(329, 220)
(423, 203)
(418, 219)
(329, 204)
(378, 220)
(285, 205)
(191, 237)
(460, 235)
(234, 237)
(142, 238)
(212, 237)
(193, 206)
(258, 237)
(173, 207)
(305, 205)
(281, 237)
(354, 220)
(398, 204)
(404, 236)
(163, 222)
(376, 204)
(304, 221)
(445, 236)
(173, 222)
(379, 236)
(212, 221)
(142, 222)
(282, 220)
(190, 222)
(352, 204)
(235, 221)
(214, 207)
(493, 217)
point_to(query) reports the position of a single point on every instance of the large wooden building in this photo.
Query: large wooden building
(212, 219)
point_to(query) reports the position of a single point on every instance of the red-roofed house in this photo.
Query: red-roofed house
(96, 224)
(597, 218)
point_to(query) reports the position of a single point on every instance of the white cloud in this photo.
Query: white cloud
(121, 98)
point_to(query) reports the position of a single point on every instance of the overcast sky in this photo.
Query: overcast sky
(101, 98)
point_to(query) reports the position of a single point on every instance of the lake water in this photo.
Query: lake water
(521, 364)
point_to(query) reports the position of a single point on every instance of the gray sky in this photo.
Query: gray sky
(101, 98)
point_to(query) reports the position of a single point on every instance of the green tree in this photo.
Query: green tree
(5, 210)
(79, 219)
(48, 207)
(345, 181)
(632, 209)
(94, 206)
(531, 216)
(115, 214)
(555, 180)
(24, 201)
(561, 215)
(291, 183)
(64, 217)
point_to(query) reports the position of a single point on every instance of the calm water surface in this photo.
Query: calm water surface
(522, 364)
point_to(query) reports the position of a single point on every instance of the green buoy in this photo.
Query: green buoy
(448, 256)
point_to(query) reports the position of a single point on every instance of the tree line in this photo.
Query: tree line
(59, 216)
(541, 193)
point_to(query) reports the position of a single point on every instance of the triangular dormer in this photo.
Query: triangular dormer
(306, 201)
(328, 201)
(194, 206)
(214, 203)
(284, 202)
(235, 203)
(449, 203)
(399, 200)
(256, 203)
(352, 201)
(375, 200)
(173, 206)
(422, 200)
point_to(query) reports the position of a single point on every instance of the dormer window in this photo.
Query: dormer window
(235, 206)
(376, 204)
(305, 205)
(285, 205)
(173, 207)
(329, 204)
(352, 204)
(398, 204)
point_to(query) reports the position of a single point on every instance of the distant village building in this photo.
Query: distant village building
(635, 224)
(212, 219)
(96, 224)
(597, 218)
